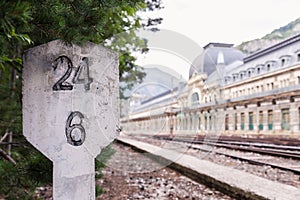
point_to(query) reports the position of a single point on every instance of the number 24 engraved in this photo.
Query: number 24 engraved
(82, 70)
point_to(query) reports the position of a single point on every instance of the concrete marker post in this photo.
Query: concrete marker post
(71, 111)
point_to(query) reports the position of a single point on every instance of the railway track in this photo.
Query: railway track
(220, 172)
(253, 160)
(265, 153)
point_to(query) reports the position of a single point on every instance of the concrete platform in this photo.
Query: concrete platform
(236, 183)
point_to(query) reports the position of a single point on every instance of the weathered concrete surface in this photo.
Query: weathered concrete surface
(237, 183)
(71, 110)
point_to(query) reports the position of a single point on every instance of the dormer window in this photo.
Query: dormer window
(235, 77)
(249, 72)
(297, 55)
(270, 65)
(242, 74)
(227, 79)
(284, 60)
(259, 68)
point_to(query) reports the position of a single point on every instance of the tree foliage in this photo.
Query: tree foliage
(28, 23)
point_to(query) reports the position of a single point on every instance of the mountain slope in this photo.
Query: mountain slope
(274, 37)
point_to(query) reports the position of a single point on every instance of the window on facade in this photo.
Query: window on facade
(242, 121)
(261, 120)
(249, 73)
(285, 119)
(298, 57)
(226, 122)
(214, 122)
(235, 121)
(205, 123)
(270, 119)
(195, 98)
(283, 62)
(268, 67)
(272, 86)
(298, 79)
(258, 70)
(251, 127)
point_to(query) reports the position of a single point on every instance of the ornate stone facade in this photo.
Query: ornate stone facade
(257, 94)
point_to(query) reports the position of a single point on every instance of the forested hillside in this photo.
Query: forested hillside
(274, 37)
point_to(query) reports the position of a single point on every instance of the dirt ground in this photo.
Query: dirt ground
(126, 178)
(130, 175)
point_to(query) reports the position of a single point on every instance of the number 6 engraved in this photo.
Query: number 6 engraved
(75, 132)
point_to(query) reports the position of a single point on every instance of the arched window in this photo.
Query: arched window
(195, 98)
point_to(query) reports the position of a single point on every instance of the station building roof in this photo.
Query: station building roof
(207, 61)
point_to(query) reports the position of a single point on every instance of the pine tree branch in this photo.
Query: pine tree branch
(76, 10)
(7, 157)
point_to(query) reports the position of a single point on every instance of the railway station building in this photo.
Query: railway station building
(229, 93)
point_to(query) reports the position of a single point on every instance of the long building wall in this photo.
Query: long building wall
(261, 96)
(268, 117)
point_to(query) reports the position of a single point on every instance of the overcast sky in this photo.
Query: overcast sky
(231, 21)
(228, 21)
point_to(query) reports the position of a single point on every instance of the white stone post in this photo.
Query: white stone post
(71, 111)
